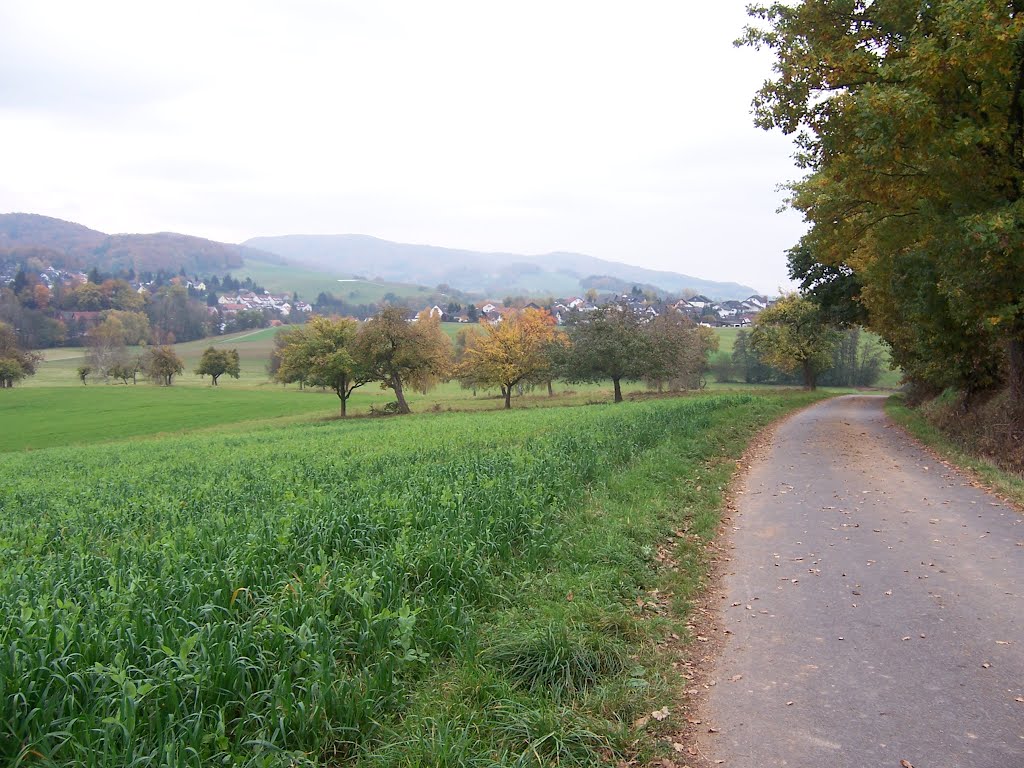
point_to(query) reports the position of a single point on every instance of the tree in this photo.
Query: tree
(909, 119)
(123, 370)
(608, 343)
(679, 350)
(106, 346)
(510, 352)
(399, 353)
(135, 325)
(792, 335)
(856, 361)
(748, 363)
(15, 363)
(162, 364)
(217, 362)
(83, 372)
(321, 352)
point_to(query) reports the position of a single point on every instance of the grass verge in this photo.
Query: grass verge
(1006, 483)
(570, 669)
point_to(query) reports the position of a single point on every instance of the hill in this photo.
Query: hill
(475, 271)
(68, 245)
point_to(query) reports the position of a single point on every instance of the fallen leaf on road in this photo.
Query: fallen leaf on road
(906, 763)
(985, 665)
(640, 722)
(660, 714)
(734, 678)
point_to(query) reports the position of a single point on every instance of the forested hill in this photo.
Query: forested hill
(72, 246)
(475, 271)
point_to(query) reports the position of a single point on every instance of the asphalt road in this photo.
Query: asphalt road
(873, 607)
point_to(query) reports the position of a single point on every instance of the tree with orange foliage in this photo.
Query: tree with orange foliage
(507, 353)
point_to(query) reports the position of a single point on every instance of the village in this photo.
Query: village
(706, 312)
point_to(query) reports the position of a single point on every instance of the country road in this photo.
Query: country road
(873, 606)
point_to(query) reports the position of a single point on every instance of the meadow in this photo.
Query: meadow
(309, 283)
(456, 589)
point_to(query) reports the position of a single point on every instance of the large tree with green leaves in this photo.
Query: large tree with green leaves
(793, 335)
(609, 343)
(219, 362)
(909, 117)
(322, 353)
(400, 352)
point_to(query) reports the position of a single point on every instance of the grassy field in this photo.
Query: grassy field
(42, 417)
(309, 283)
(455, 589)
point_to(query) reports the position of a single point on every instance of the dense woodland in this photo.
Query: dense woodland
(909, 122)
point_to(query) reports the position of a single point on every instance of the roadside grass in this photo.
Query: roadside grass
(450, 590)
(569, 670)
(1008, 484)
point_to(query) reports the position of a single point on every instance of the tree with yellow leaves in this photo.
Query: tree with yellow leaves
(510, 352)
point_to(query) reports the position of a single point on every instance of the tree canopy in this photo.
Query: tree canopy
(399, 353)
(909, 118)
(218, 362)
(322, 353)
(608, 343)
(793, 335)
(510, 352)
(15, 362)
(162, 364)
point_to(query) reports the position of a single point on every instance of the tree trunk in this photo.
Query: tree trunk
(810, 381)
(618, 389)
(396, 385)
(212, 377)
(508, 398)
(551, 390)
(344, 404)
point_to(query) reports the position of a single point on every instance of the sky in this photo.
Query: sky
(620, 130)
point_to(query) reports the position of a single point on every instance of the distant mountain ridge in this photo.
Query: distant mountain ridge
(69, 245)
(559, 273)
(73, 246)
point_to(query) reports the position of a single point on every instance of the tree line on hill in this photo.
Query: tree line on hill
(51, 307)
(909, 121)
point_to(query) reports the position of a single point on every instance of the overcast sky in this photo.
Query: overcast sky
(621, 130)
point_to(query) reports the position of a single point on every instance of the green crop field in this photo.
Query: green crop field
(461, 589)
(42, 417)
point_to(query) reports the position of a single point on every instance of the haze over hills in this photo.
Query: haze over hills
(73, 246)
(478, 272)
